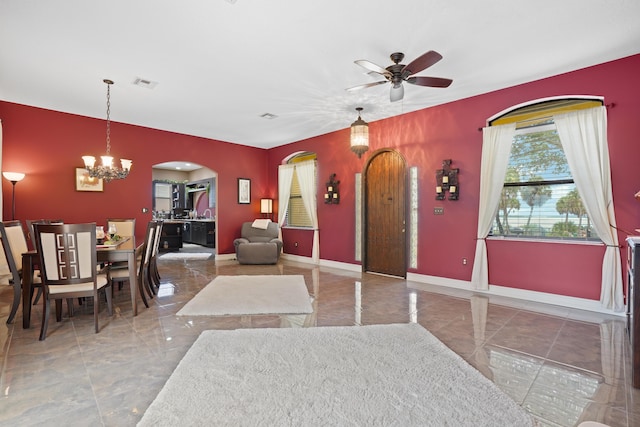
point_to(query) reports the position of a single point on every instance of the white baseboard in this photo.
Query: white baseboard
(513, 293)
(324, 262)
(463, 287)
(225, 257)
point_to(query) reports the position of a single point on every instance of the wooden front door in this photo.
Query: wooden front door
(384, 214)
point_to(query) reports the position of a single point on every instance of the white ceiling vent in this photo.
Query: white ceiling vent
(145, 83)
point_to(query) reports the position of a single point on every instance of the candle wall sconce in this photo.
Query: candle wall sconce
(332, 196)
(447, 180)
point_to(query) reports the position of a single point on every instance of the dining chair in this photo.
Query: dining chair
(14, 244)
(32, 239)
(117, 275)
(30, 222)
(154, 275)
(68, 261)
(125, 227)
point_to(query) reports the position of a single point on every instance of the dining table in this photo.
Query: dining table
(124, 250)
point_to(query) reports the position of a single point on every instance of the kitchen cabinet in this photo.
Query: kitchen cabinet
(203, 233)
(171, 236)
(178, 196)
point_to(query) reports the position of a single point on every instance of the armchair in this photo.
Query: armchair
(258, 245)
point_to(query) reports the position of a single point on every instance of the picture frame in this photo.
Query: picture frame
(85, 183)
(244, 191)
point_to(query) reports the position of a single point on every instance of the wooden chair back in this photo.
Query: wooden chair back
(14, 244)
(67, 253)
(68, 260)
(30, 236)
(125, 227)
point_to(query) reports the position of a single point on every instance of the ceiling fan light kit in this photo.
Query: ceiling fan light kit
(398, 73)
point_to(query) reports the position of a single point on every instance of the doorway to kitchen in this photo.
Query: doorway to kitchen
(185, 198)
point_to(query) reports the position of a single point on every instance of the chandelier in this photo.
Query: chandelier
(359, 135)
(107, 170)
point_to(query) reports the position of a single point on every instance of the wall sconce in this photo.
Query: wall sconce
(332, 196)
(14, 177)
(359, 135)
(447, 180)
(266, 207)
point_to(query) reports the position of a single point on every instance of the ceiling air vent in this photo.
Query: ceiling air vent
(145, 83)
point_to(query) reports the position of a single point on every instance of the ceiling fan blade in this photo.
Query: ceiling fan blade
(429, 81)
(397, 93)
(421, 62)
(372, 67)
(364, 86)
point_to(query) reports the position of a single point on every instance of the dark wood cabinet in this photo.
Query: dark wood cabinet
(171, 236)
(203, 233)
(633, 306)
(178, 196)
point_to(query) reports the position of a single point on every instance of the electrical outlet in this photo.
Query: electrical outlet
(438, 211)
(295, 244)
(464, 261)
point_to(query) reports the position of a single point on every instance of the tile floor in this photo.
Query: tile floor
(564, 366)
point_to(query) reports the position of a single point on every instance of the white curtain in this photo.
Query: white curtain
(583, 135)
(285, 177)
(306, 172)
(496, 147)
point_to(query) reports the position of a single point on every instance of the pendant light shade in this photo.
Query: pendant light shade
(359, 135)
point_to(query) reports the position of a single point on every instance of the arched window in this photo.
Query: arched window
(539, 198)
(297, 215)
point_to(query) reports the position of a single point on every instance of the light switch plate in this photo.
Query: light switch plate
(438, 211)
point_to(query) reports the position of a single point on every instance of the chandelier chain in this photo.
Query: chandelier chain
(107, 170)
(108, 119)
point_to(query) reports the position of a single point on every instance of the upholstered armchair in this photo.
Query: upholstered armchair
(259, 243)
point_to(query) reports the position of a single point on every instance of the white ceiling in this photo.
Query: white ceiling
(221, 64)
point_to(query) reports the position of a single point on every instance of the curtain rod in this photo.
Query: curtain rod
(610, 105)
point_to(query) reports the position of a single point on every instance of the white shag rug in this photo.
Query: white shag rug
(381, 375)
(185, 255)
(248, 295)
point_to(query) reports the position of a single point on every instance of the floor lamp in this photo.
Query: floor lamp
(14, 177)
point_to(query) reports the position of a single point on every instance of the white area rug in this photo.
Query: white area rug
(238, 295)
(382, 375)
(186, 255)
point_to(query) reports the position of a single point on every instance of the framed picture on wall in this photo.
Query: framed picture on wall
(85, 183)
(244, 191)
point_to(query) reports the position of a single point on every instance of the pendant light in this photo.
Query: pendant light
(359, 135)
(107, 170)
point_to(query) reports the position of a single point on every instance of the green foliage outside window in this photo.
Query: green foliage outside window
(539, 198)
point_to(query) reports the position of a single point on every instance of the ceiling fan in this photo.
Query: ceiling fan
(398, 73)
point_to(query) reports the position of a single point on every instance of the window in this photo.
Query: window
(297, 215)
(539, 198)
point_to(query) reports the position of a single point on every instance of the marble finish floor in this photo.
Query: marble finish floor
(564, 366)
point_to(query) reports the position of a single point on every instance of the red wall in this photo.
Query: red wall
(428, 136)
(47, 146)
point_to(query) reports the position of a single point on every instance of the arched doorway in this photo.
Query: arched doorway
(384, 202)
(190, 197)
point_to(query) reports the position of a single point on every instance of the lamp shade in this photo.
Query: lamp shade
(359, 135)
(266, 206)
(13, 176)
